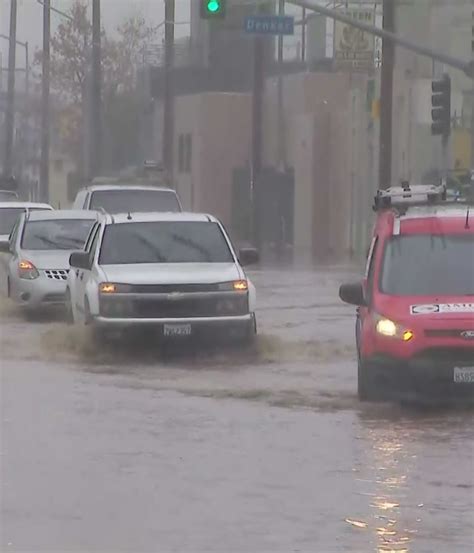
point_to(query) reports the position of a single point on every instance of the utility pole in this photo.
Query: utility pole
(168, 100)
(386, 97)
(472, 93)
(45, 107)
(303, 35)
(281, 130)
(95, 143)
(10, 115)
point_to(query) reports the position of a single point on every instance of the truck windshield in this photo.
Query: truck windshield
(138, 201)
(164, 242)
(425, 265)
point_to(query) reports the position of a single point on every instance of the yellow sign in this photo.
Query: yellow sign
(461, 150)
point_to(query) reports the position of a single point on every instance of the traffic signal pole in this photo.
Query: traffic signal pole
(257, 135)
(95, 155)
(10, 114)
(45, 104)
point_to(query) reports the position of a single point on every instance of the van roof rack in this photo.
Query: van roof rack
(407, 195)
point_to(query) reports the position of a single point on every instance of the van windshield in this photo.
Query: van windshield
(138, 201)
(425, 265)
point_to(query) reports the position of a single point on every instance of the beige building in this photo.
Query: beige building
(329, 146)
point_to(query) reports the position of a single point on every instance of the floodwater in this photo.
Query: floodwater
(128, 448)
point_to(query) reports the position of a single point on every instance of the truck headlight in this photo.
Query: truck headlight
(234, 286)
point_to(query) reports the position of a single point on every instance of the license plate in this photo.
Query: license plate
(177, 330)
(464, 375)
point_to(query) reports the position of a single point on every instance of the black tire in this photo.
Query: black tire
(366, 382)
(251, 331)
(68, 308)
(88, 320)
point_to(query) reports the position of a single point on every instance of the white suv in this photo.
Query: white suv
(125, 198)
(177, 271)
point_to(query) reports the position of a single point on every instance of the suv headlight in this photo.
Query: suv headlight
(27, 270)
(387, 327)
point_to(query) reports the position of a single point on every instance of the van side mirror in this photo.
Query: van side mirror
(79, 260)
(248, 256)
(353, 294)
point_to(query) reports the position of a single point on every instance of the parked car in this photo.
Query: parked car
(125, 198)
(8, 196)
(40, 246)
(10, 211)
(415, 316)
(177, 272)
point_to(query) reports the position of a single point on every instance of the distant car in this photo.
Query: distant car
(125, 198)
(40, 246)
(415, 316)
(176, 272)
(10, 211)
(8, 196)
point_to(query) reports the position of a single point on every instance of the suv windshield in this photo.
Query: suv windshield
(164, 242)
(425, 265)
(124, 201)
(60, 234)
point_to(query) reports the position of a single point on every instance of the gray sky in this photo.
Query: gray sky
(29, 21)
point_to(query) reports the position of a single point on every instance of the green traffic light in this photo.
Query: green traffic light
(213, 6)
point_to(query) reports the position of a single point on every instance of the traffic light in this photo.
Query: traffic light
(441, 106)
(213, 9)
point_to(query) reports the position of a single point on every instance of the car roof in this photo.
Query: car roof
(27, 205)
(62, 214)
(108, 187)
(160, 217)
(439, 219)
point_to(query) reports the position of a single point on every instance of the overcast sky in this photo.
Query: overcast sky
(29, 20)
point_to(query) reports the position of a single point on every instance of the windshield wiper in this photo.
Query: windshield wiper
(151, 246)
(46, 241)
(192, 244)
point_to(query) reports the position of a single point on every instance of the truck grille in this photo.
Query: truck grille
(170, 288)
(162, 308)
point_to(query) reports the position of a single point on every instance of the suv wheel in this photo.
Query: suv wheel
(366, 382)
(68, 306)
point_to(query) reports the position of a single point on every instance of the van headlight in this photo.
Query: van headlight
(391, 329)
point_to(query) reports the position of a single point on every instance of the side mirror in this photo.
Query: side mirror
(4, 246)
(79, 260)
(353, 294)
(248, 256)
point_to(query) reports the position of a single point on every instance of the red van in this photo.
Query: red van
(415, 316)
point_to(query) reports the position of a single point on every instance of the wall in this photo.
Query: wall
(219, 124)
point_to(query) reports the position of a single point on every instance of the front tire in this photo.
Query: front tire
(70, 319)
(366, 382)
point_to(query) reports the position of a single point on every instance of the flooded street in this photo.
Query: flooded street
(127, 449)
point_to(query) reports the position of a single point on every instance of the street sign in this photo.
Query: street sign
(354, 49)
(269, 25)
